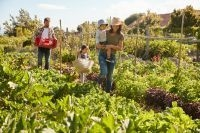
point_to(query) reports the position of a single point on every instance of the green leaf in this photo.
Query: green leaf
(109, 123)
(32, 122)
(84, 117)
(12, 126)
(22, 123)
(7, 69)
(74, 126)
(172, 130)
(131, 127)
(97, 128)
(174, 104)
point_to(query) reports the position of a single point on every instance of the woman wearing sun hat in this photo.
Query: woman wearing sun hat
(114, 41)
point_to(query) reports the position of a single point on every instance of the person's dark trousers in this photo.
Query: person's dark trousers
(46, 53)
(106, 70)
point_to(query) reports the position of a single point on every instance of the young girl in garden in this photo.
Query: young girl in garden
(83, 53)
(83, 56)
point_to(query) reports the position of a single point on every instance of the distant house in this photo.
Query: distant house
(132, 25)
(197, 12)
(165, 18)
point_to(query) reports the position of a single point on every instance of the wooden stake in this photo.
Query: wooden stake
(180, 48)
(147, 33)
(60, 38)
(88, 34)
(136, 43)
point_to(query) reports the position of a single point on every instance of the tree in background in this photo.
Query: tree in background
(150, 19)
(132, 18)
(88, 31)
(191, 20)
(22, 25)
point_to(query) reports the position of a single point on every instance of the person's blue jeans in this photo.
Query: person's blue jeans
(46, 53)
(106, 69)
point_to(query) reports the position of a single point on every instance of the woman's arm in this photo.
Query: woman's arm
(118, 47)
(99, 46)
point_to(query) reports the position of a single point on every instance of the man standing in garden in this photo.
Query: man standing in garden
(45, 39)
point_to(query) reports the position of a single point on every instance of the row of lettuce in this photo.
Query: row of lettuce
(135, 78)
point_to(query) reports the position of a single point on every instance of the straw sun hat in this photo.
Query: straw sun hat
(116, 21)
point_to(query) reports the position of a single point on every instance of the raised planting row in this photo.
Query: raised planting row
(159, 98)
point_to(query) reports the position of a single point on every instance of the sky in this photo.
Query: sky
(74, 12)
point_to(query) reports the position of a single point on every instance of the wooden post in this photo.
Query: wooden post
(67, 30)
(146, 54)
(60, 38)
(66, 37)
(80, 43)
(198, 49)
(136, 44)
(198, 46)
(180, 47)
(88, 34)
(147, 34)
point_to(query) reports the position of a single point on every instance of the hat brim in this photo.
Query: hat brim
(118, 23)
(103, 24)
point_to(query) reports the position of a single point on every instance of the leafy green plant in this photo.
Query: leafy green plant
(36, 100)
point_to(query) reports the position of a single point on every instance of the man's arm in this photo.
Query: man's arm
(35, 34)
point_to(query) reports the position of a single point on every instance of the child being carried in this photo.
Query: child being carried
(101, 37)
